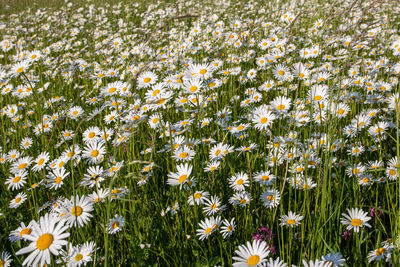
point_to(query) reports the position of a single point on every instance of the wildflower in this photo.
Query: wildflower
(292, 219)
(355, 219)
(180, 177)
(251, 254)
(18, 200)
(76, 211)
(115, 224)
(228, 227)
(47, 237)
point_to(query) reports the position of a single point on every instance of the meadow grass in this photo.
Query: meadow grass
(173, 133)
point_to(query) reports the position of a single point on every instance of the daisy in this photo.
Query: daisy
(34, 56)
(318, 93)
(47, 237)
(251, 254)
(5, 259)
(334, 259)
(341, 110)
(181, 176)
(147, 79)
(270, 198)
(21, 231)
(93, 177)
(198, 197)
(239, 181)
(203, 71)
(316, 263)
(193, 86)
(115, 224)
(75, 112)
(300, 71)
(184, 153)
(91, 134)
(18, 200)
(112, 117)
(111, 89)
(241, 198)
(275, 263)
(40, 161)
(76, 211)
(281, 72)
(264, 178)
(17, 180)
(220, 150)
(207, 227)
(21, 164)
(380, 253)
(281, 104)
(20, 67)
(292, 219)
(228, 227)
(262, 118)
(94, 152)
(26, 143)
(55, 178)
(79, 255)
(212, 166)
(355, 219)
(213, 205)
(99, 195)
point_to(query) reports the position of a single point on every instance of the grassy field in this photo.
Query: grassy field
(199, 133)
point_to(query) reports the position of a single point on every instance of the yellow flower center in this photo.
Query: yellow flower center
(197, 195)
(380, 251)
(25, 231)
(356, 222)
(240, 182)
(16, 179)
(156, 92)
(78, 257)
(264, 120)
(253, 260)
(58, 180)
(193, 89)
(17, 200)
(203, 71)
(21, 69)
(182, 178)
(22, 166)
(44, 241)
(115, 225)
(281, 72)
(147, 80)
(280, 107)
(76, 211)
(94, 153)
(290, 221)
(208, 231)
(265, 178)
(183, 155)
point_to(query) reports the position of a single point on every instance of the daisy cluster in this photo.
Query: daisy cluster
(188, 126)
